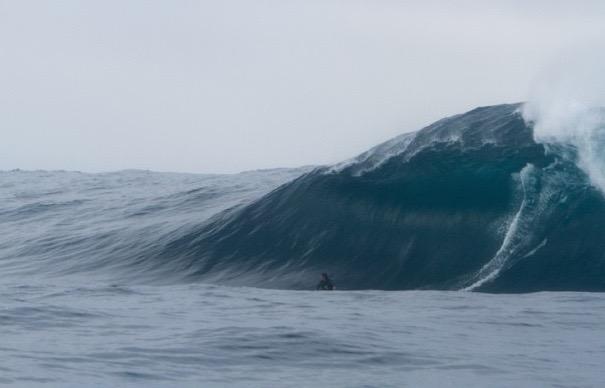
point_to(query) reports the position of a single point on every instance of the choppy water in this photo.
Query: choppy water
(85, 302)
(201, 335)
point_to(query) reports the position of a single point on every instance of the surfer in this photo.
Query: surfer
(325, 284)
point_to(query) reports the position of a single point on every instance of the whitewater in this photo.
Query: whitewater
(463, 255)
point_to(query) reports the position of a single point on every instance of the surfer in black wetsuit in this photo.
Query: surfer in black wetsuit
(325, 284)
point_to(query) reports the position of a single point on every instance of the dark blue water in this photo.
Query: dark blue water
(470, 202)
(156, 279)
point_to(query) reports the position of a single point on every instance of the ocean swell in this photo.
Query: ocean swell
(471, 202)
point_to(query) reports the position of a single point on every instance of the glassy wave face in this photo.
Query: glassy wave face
(112, 226)
(470, 202)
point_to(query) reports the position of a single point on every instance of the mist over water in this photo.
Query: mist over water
(567, 105)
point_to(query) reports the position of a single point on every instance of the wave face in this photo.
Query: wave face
(469, 202)
(112, 226)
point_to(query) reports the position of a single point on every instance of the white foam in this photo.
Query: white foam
(567, 106)
(377, 156)
(517, 231)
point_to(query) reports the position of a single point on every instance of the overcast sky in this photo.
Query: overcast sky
(230, 85)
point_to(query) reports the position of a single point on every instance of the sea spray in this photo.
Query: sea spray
(567, 106)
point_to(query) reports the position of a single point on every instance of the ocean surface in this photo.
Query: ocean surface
(72, 313)
(202, 335)
(466, 254)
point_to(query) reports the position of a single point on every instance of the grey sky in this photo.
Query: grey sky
(229, 85)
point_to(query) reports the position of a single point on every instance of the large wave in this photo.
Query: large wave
(471, 202)
(480, 201)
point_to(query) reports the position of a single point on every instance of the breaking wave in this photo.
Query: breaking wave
(475, 202)
(471, 202)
